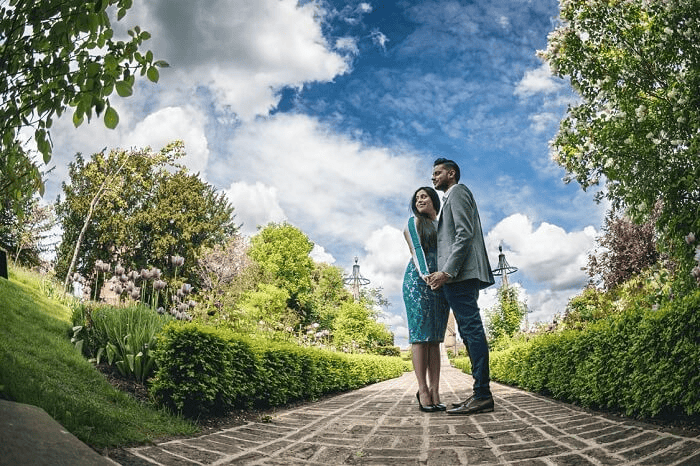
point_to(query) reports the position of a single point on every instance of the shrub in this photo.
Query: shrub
(640, 361)
(202, 370)
(394, 351)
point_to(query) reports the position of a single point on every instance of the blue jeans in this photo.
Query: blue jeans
(462, 298)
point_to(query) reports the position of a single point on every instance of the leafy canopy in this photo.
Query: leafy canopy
(150, 209)
(56, 55)
(636, 66)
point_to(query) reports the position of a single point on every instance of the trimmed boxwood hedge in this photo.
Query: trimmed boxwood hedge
(640, 362)
(204, 370)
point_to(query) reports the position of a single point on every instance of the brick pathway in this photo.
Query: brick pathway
(381, 425)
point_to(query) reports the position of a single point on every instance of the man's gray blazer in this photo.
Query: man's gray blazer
(461, 249)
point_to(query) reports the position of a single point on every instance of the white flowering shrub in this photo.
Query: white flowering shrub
(636, 128)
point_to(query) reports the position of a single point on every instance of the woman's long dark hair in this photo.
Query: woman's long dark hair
(424, 225)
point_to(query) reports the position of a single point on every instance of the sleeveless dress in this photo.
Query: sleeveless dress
(426, 310)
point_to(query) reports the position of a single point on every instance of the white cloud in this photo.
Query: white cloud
(543, 121)
(547, 255)
(379, 39)
(386, 259)
(319, 254)
(255, 205)
(243, 52)
(171, 123)
(537, 81)
(347, 44)
(333, 186)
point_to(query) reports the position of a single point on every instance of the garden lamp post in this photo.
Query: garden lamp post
(504, 268)
(356, 280)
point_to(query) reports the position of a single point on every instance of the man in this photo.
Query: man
(463, 270)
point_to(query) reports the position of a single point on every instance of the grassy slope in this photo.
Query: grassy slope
(39, 366)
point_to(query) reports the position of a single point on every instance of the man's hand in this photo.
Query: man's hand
(437, 279)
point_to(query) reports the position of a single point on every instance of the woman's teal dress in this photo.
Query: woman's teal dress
(426, 310)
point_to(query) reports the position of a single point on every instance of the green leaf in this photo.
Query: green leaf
(153, 74)
(111, 118)
(124, 89)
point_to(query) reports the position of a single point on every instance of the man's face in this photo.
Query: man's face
(441, 178)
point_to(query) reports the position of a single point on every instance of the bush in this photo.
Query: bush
(202, 370)
(640, 361)
(394, 351)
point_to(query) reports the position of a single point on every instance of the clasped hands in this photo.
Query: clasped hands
(436, 279)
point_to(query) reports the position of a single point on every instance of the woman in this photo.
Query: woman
(426, 310)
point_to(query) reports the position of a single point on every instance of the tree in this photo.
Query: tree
(355, 329)
(181, 217)
(25, 237)
(282, 251)
(636, 66)
(149, 210)
(504, 319)
(328, 294)
(627, 248)
(55, 55)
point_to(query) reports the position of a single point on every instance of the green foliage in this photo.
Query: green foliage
(504, 319)
(646, 290)
(636, 67)
(39, 366)
(266, 305)
(128, 207)
(464, 363)
(639, 361)
(58, 55)
(354, 329)
(125, 336)
(282, 251)
(328, 294)
(202, 369)
(592, 304)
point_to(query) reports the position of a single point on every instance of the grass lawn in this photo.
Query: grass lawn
(39, 366)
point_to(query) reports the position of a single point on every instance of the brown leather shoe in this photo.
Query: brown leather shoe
(473, 406)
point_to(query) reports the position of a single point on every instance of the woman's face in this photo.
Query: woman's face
(424, 204)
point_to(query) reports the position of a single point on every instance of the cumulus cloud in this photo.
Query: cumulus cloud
(386, 258)
(242, 52)
(537, 81)
(547, 255)
(333, 185)
(168, 124)
(255, 205)
(319, 254)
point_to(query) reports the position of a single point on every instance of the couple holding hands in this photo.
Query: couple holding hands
(448, 267)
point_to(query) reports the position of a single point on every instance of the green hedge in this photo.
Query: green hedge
(641, 362)
(203, 370)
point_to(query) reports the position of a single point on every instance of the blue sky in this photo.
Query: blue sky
(329, 114)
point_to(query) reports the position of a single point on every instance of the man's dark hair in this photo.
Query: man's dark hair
(450, 165)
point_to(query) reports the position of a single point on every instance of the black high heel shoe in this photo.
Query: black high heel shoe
(426, 409)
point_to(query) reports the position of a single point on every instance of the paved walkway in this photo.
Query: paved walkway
(381, 425)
